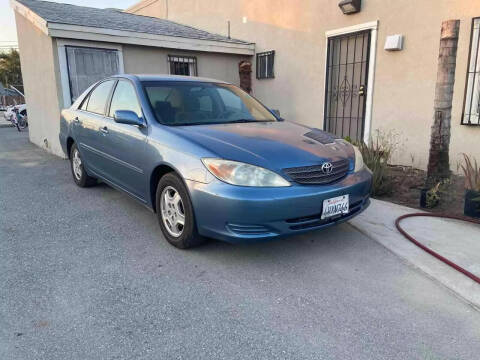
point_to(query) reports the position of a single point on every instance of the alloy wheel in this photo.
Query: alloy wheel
(77, 165)
(172, 211)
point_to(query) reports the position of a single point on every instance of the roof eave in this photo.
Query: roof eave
(35, 19)
(146, 39)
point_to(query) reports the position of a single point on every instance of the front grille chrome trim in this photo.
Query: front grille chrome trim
(314, 174)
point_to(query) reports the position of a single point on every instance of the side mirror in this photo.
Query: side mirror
(127, 117)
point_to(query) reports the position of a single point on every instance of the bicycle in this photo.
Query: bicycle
(19, 119)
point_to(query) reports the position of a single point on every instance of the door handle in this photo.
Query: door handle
(76, 119)
(104, 130)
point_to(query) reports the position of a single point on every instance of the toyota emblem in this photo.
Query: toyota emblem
(327, 168)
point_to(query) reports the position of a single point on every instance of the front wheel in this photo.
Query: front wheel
(80, 176)
(175, 213)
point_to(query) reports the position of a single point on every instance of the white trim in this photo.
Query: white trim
(137, 38)
(373, 26)
(62, 61)
(29, 15)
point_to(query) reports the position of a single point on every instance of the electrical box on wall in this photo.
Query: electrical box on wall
(394, 43)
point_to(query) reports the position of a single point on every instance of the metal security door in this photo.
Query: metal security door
(346, 84)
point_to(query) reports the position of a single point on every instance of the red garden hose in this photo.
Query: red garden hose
(430, 251)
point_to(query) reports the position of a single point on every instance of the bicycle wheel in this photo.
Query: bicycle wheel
(21, 122)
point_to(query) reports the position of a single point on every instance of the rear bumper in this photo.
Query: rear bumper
(241, 214)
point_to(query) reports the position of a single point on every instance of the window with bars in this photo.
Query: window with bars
(265, 61)
(182, 65)
(471, 111)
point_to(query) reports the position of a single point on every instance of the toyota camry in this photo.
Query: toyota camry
(210, 160)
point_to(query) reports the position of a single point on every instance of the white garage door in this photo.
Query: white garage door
(88, 65)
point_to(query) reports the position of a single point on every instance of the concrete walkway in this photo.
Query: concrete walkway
(456, 240)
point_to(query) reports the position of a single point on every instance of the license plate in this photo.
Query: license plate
(335, 206)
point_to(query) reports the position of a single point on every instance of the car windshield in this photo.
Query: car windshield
(197, 103)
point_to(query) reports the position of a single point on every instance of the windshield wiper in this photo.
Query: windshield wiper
(245, 121)
(238, 121)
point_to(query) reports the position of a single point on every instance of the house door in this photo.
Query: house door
(346, 84)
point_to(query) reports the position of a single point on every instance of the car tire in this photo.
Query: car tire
(173, 205)
(79, 174)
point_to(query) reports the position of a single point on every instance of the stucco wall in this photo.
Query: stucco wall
(149, 60)
(40, 70)
(404, 81)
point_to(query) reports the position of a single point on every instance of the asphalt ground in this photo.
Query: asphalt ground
(86, 274)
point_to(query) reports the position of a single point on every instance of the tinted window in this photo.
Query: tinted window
(99, 96)
(125, 98)
(192, 103)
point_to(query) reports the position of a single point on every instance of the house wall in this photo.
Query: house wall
(39, 71)
(150, 60)
(404, 84)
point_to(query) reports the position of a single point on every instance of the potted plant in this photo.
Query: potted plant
(472, 186)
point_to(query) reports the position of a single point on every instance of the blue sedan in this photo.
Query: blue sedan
(210, 160)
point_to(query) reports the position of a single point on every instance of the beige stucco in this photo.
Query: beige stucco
(404, 81)
(150, 60)
(40, 79)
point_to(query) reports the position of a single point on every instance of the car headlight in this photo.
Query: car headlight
(359, 165)
(238, 173)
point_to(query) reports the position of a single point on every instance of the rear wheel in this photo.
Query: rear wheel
(80, 176)
(175, 213)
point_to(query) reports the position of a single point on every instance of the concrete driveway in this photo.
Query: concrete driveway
(86, 274)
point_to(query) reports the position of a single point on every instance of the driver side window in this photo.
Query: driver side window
(125, 98)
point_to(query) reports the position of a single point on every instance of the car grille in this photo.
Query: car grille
(315, 175)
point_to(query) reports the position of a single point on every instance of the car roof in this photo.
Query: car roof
(179, 78)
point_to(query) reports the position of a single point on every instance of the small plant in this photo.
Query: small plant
(376, 156)
(472, 187)
(471, 172)
(437, 193)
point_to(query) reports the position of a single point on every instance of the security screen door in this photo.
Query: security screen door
(88, 65)
(346, 84)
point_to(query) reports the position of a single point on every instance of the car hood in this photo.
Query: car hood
(274, 145)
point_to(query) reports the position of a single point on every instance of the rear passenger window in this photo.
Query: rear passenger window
(99, 96)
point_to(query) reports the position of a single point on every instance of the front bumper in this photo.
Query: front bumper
(247, 214)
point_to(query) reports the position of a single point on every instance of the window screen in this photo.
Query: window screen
(264, 64)
(182, 65)
(88, 65)
(471, 112)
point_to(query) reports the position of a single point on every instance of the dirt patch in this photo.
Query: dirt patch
(406, 184)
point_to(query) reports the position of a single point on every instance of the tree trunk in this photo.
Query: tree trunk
(438, 162)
